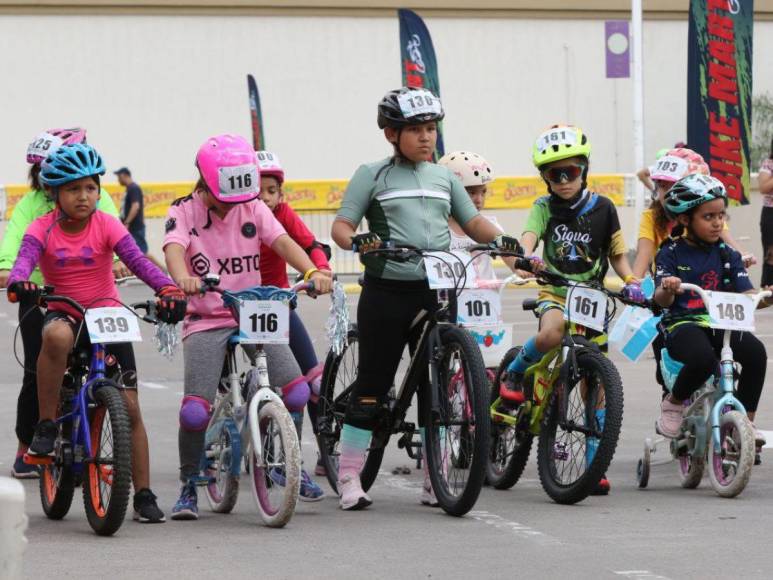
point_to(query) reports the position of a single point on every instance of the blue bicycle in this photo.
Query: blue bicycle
(93, 448)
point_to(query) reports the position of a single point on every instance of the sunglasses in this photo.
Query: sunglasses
(563, 174)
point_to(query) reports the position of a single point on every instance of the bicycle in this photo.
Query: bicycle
(714, 427)
(564, 394)
(250, 421)
(93, 446)
(456, 435)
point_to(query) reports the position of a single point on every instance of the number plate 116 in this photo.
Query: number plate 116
(264, 322)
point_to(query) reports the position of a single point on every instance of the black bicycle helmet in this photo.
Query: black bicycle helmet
(409, 106)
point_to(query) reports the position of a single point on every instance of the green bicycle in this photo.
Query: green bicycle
(573, 403)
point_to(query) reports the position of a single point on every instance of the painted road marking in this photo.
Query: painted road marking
(152, 385)
(515, 528)
(640, 575)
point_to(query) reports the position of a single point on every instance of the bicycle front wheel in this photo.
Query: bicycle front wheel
(731, 468)
(109, 472)
(457, 431)
(276, 478)
(580, 430)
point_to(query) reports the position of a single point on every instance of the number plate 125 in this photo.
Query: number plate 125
(264, 322)
(112, 324)
(587, 307)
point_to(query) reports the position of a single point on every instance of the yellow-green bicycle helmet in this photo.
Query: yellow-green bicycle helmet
(560, 142)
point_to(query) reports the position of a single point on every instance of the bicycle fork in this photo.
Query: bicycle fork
(264, 394)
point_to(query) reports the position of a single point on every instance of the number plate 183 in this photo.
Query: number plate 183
(112, 324)
(264, 322)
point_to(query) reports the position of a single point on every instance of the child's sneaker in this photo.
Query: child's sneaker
(44, 439)
(310, 491)
(428, 495)
(186, 507)
(21, 470)
(602, 487)
(352, 495)
(511, 388)
(319, 468)
(759, 443)
(277, 475)
(146, 510)
(670, 419)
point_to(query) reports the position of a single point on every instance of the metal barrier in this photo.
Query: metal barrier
(13, 523)
(320, 223)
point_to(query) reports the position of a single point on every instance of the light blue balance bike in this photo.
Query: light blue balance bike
(715, 428)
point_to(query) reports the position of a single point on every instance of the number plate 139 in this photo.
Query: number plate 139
(112, 324)
(264, 322)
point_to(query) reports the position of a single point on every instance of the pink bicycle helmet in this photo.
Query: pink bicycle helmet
(49, 141)
(228, 165)
(678, 163)
(269, 164)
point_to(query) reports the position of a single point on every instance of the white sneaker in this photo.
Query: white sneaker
(670, 419)
(352, 495)
(428, 495)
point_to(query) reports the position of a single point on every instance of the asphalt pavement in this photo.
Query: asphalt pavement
(661, 532)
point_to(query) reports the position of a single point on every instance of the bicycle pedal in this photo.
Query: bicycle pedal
(37, 459)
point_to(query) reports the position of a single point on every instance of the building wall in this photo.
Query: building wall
(150, 86)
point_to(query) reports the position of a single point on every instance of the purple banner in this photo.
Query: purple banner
(618, 49)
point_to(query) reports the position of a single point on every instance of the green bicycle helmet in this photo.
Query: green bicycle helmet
(692, 191)
(558, 143)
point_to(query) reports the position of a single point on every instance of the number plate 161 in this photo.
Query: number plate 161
(264, 322)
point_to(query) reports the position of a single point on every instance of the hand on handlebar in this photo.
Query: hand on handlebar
(632, 291)
(672, 285)
(190, 285)
(24, 291)
(171, 304)
(365, 242)
(749, 260)
(323, 282)
(507, 243)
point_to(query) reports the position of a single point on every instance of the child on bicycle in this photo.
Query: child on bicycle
(696, 254)
(74, 245)
(219, 228)
(34, 204)
(407, 200)
(581, 234)
(273, 272)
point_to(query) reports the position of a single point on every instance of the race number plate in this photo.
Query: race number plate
(238, 180)
(418, 102)
(587, 307)
(444, 270)
(112, 324)
(669, 167)
(731, 311)
(479, 308)
(264, 322)
(557, 136)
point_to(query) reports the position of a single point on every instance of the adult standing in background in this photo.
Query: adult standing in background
(133, 212)
(765, 181)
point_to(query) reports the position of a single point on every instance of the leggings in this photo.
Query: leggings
(303, 351)
(31, 330)
(766, 227)
(385, 313)
(698, 348)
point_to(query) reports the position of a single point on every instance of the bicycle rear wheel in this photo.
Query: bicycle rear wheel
(457, 435)
(223, 489)
(276, 480)
(575, 451)
(510, 446)
(57, 485)
(108, 475)
(338, 377)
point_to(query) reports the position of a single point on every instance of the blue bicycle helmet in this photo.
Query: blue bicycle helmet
(692, 191)
(71, 162)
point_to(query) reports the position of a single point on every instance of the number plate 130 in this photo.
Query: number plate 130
(264, 322)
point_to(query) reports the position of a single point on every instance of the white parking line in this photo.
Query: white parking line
(640, 575)
(516, 528)
(152, 385)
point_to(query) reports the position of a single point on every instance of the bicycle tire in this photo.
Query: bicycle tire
(276, 430)
(333, 401)
(110, 429)
(57, 484)
(691, 468)
(223, 491)
(472, 426)
(737, 440)
(548, 449)
(517, 454)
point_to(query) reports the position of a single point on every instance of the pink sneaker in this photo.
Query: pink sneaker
(352, 495)
(428, 494)
(670, 418)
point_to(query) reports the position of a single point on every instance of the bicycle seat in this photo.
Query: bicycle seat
(530, 304)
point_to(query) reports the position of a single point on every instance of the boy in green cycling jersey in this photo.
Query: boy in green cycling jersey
(581, 234)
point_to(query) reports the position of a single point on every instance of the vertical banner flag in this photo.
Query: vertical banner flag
(719, 90)
(418, 61)
(617, 49)
(256, 117)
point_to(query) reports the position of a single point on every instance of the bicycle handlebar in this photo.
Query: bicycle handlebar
(758, 297)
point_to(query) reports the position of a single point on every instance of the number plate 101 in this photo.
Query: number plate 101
(112, 324)
(264, 322)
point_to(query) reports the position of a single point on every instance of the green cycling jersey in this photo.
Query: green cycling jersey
(34, 204)
(405, 203)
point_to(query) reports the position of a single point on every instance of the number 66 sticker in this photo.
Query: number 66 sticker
(587, 307)
(112, 324)
(264, 322)
(730, 311)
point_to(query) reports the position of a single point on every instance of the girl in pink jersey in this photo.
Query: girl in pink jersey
(219, 228)
(74, 246)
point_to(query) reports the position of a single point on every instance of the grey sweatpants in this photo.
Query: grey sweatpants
(204, 354)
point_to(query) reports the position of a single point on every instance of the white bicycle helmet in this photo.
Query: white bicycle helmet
(470, 168)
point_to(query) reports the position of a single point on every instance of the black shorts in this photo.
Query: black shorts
(123, 369)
